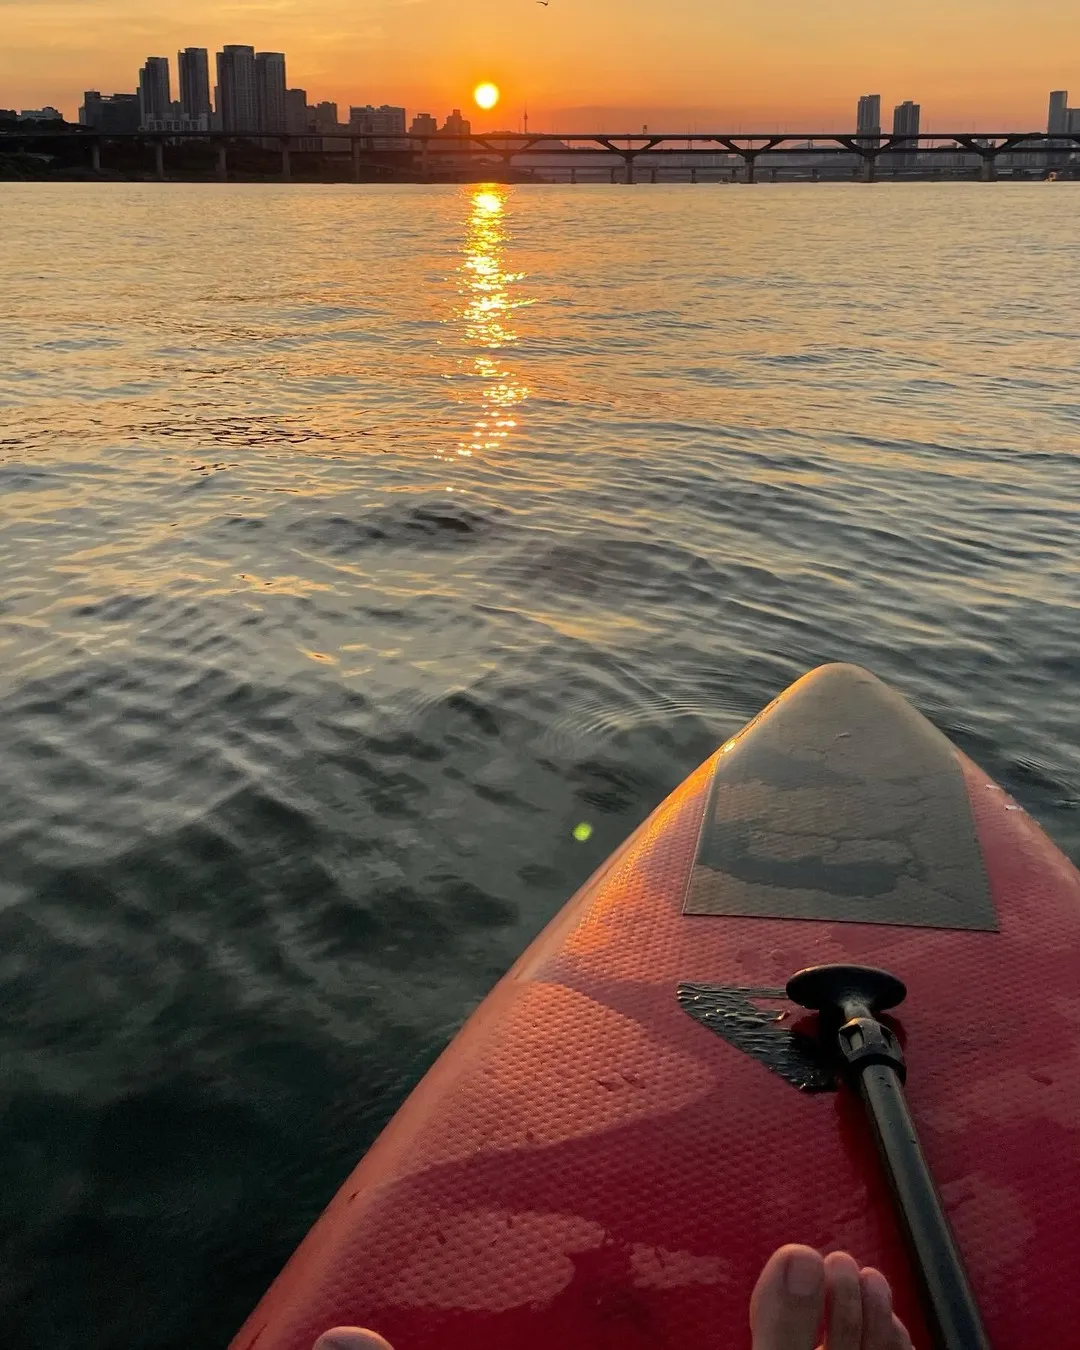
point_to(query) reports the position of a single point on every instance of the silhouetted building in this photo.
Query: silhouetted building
(456, 125)
(296, 112)
(270, 91)
(382, 125)
(177, 122)
(1058, 118)
(906, 123)
(323, 118)
(46, 114)
(906, 119)
(90, 111)
(113, 113)
(1073, 125)
(237, 103)
(193, 79)
(383, 121)
(869, 115)
(423, 124)
(155, 97)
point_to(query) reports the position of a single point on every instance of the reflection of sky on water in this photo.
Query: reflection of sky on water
(484, 315)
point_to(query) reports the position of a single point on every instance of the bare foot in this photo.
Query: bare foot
(798, 1291)
(795, 1293)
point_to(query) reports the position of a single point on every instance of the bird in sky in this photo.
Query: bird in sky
(545, 3)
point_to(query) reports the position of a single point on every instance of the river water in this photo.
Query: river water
(357, 544)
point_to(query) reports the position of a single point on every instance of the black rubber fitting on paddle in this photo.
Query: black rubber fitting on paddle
(848, 997)
(863, 1041)
(839, 989)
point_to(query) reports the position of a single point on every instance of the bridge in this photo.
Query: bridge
(422, 157)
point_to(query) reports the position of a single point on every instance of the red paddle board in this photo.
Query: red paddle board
(636, 1117)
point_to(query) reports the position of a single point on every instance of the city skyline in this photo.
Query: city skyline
(575, 65)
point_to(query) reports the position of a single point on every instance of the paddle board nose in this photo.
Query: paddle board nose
(841, 802)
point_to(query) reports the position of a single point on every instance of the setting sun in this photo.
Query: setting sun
(486, 95)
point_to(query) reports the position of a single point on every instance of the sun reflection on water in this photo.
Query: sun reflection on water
(487, 303)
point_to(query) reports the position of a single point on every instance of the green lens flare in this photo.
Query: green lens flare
(582, 832)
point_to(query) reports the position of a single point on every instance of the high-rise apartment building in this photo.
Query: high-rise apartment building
(270, 91)
(193, 79)
(237, 102)
(1058, 118)
(869, 115)
(296, 112)
(423, 124)
(155, 97)
(906, 123)
(906, 119)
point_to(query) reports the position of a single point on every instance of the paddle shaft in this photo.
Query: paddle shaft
(955, 1322)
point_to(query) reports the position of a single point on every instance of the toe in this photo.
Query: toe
(788, 1300)
(877, 1315)
(843, 1299)
(351, 1338)
(901, 1335)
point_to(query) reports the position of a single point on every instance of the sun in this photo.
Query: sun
(486, 95)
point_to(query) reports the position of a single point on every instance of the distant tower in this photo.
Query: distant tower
(270, 91)
(155, 98)
(423, 124)
(90, 112)
(325, 117)
(296, 112)
(237, 103)
(193, 77)
(905, 122)
(869, 116)
(1058, 120)
(456, 125)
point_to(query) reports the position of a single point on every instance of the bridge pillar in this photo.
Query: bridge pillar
(693, 175)
(425, 160)
(613, 177)
(222, 164)
(652, 177)
(355, 161)
(774, 174)
(159, 161)
(286, 163)
(573, 175)
(988, 169)
(95, 157)
(751, 164)
(629, 168)
(869, 169)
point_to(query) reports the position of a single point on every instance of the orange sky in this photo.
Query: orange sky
(583, 64)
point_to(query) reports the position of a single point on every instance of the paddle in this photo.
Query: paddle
(847, 997)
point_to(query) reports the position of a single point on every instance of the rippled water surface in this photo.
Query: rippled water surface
(358, 543)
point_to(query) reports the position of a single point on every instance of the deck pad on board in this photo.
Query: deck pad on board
(844, 804)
